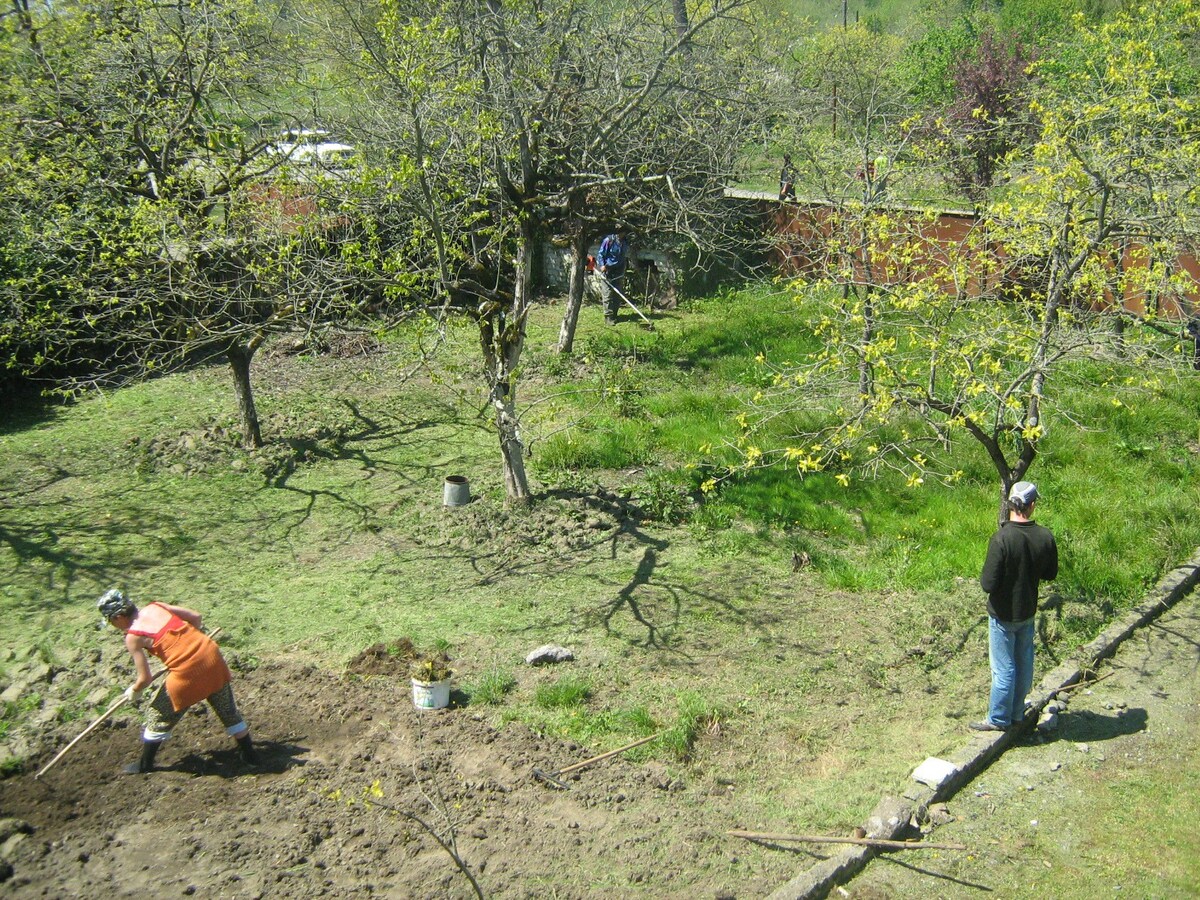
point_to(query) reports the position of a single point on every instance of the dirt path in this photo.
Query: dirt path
(1103, 806)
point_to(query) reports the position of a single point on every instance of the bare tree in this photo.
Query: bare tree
(139, 129)
(499, 122)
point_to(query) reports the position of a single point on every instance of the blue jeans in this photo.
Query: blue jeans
(1010, 649)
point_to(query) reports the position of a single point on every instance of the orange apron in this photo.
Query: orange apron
(195, 668)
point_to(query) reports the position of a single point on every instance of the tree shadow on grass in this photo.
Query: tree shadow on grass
(54, 535)
(655, 603)
(636, 596)
(52, 541)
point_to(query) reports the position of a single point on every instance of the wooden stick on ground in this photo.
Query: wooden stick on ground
(829, 839)
(602, 756)
(1084, 682)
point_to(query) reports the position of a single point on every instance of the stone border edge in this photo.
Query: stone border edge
(892, 815)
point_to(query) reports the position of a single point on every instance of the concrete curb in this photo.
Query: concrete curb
(892, 815)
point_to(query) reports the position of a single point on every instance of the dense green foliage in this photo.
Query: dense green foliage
(875, 533)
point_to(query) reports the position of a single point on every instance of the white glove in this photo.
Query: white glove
(131, 695)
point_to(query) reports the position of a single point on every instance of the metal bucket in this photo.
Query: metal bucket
(456, 491)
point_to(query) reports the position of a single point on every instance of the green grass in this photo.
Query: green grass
(567, 691)
(491, 688)
(689, 621)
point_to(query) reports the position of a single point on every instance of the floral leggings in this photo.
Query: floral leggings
(161, 717)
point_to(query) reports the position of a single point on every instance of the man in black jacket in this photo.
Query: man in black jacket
(1020, 555)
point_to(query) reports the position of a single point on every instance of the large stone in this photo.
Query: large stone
(890, 818)
(39, 672)
(12, 693)
(549, 653)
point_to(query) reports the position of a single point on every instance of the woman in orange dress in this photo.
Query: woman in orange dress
(195, 671)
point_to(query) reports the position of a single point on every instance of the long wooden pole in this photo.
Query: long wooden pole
(103, 717)
(829, 839)
(603, 756)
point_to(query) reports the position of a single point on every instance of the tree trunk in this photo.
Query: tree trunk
(239, 361)
(512, 452)
(679, 9)
(566, 333)
(502, 337)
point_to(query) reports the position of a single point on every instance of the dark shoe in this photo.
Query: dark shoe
(986, 725)
(146, 763)
(246, 749)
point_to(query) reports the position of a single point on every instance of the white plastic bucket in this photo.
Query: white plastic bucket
(431, 694)
(456, 491)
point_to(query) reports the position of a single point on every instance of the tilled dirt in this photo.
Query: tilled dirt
(355, 795)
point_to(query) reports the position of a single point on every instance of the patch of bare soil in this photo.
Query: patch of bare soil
(389, 660)
(356, 793)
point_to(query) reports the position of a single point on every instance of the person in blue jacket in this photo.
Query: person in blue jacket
(611, 260)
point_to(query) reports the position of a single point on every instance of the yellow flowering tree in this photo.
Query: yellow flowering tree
(1096, 212)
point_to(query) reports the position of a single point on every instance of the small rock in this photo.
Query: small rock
(939, 814)
(9, 827)
(934, 772)
(549, 653)
(1082, 748)
(1054, 767)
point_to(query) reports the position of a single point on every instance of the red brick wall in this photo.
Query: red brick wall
(920, 243)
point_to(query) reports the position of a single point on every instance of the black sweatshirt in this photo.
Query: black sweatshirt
(1019, 556)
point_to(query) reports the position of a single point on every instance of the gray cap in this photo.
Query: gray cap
(114, 603)
(1023, 492)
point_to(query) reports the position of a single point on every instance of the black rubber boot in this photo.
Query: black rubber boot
(146, 763)
(247, 751)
